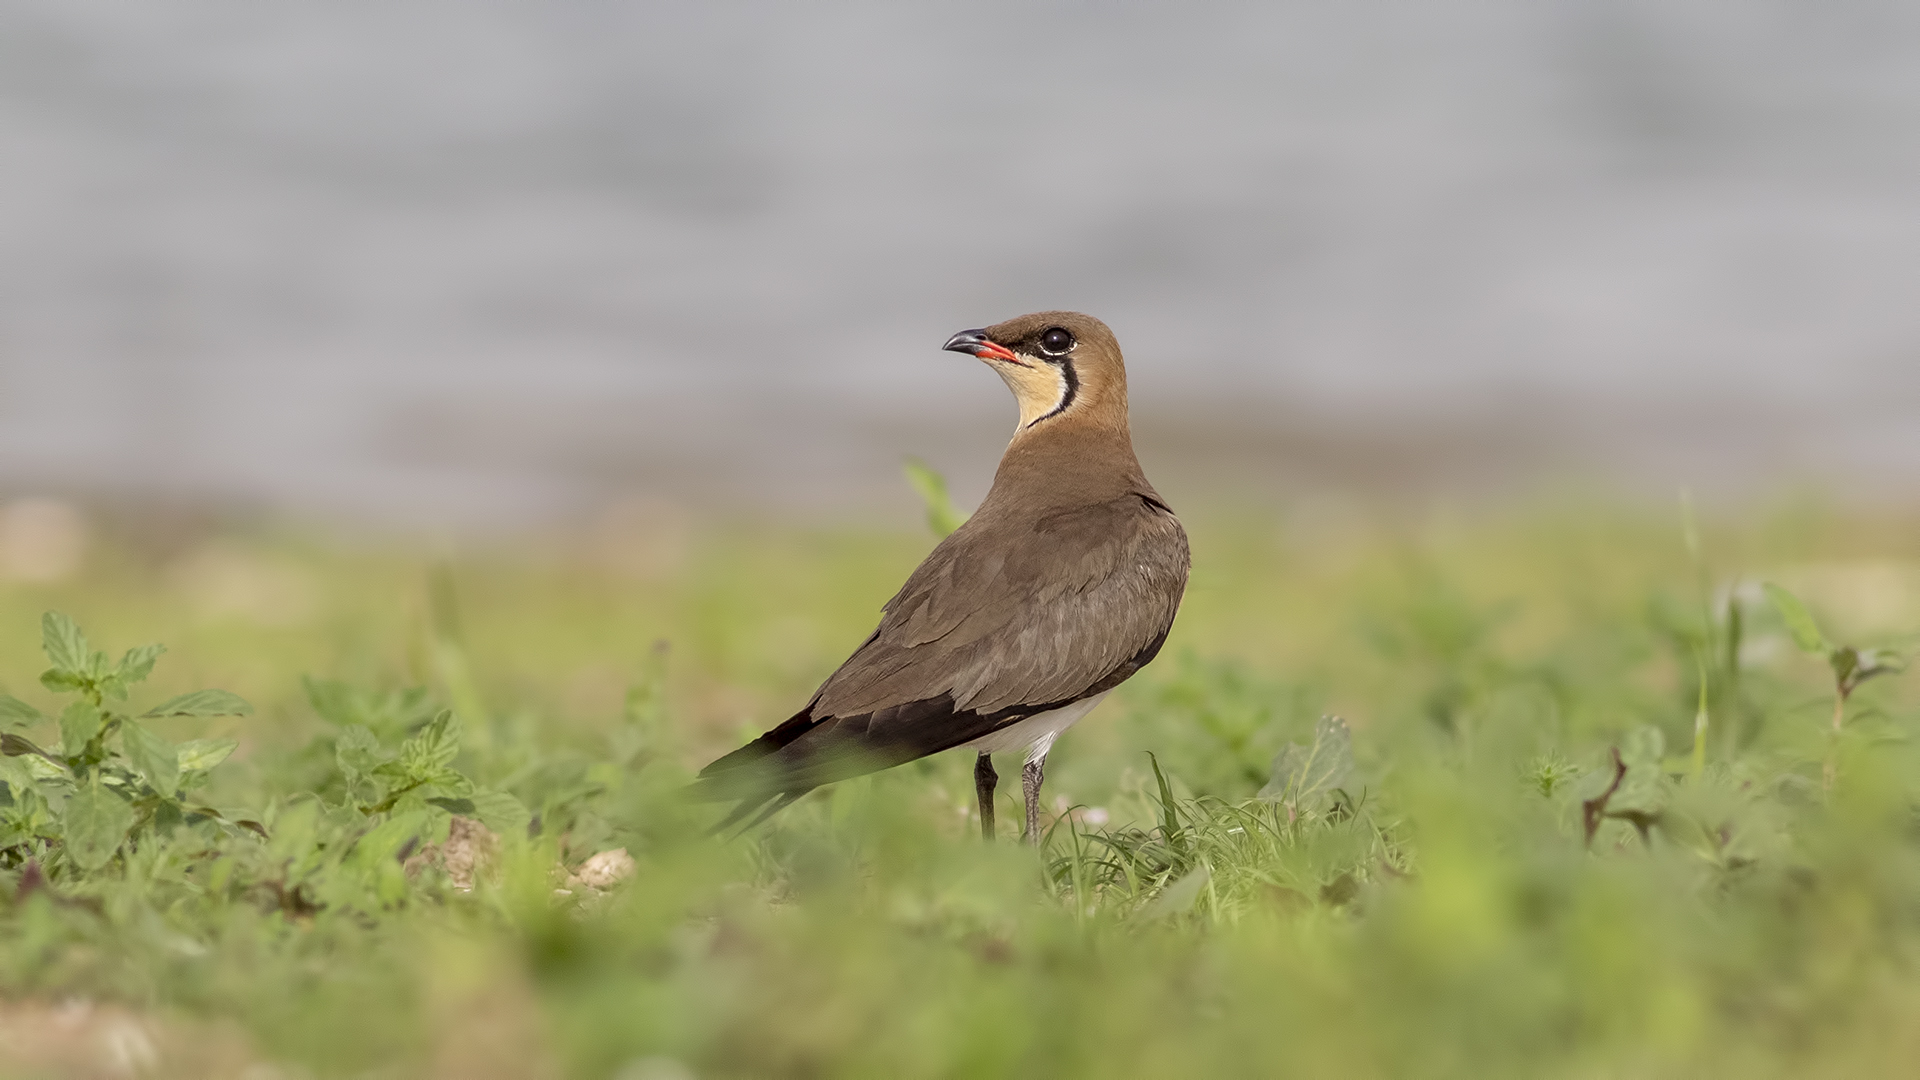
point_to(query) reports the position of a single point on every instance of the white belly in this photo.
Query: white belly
(1036, 732)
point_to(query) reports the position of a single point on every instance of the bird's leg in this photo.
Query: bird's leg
(1030, 778)
(984, 781)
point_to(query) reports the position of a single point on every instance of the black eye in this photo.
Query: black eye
(1056, 342)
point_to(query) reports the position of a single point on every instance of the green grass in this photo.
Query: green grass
(1413, 895)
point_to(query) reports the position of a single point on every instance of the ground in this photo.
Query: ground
(466, 764)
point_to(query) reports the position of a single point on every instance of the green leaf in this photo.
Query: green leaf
(1806, 632)
(357, 754)
(46, 767)
(334, 700)
(425, 755)
(385, 714)
(61, 682)
(1301, 775)
(16, 775)
(156, 758)
(385, 839)
(1646, 745)
(501, 812)
(79, 723)
(942, 516)
(228, 817)
(66, 646)
(1884, 660)
(95, 822)
(137, 664)
(1851, 667)
(1702, 715)
(445, 784)
(15, 711)
(1844, 661)
(1178, 898)
(1169, 810)
(1881, 662)
(1645, 788)
(201, 755)
(296, 829)
(202, 703)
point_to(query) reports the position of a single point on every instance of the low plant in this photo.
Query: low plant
(111, 780)
(1850, 665)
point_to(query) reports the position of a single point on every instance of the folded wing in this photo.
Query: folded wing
(1010, 616)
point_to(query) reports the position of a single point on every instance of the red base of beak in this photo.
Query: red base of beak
(975, 342)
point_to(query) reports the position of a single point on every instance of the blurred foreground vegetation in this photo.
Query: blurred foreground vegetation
(1456, 881)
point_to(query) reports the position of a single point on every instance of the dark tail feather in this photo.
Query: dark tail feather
(806, 752)
(747, 775)
(755, 753)
(775, 805)
(768, 804)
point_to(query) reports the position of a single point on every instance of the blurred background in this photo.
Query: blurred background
(488, 266)
(556, 362)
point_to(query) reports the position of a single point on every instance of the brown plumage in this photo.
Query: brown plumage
(1059, 587)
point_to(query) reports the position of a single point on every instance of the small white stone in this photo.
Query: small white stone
(129, 1049)
(606, 869)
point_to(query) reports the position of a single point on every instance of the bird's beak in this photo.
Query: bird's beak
(975, 342)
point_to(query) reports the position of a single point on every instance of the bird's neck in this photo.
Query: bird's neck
(1071, 463)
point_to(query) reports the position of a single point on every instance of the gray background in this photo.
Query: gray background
(473, 263)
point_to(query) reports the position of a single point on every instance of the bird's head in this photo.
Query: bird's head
(1062, 366)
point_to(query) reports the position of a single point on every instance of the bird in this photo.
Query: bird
(1062, 584)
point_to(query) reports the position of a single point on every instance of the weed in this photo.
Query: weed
(113, 780)
(1494, 866)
